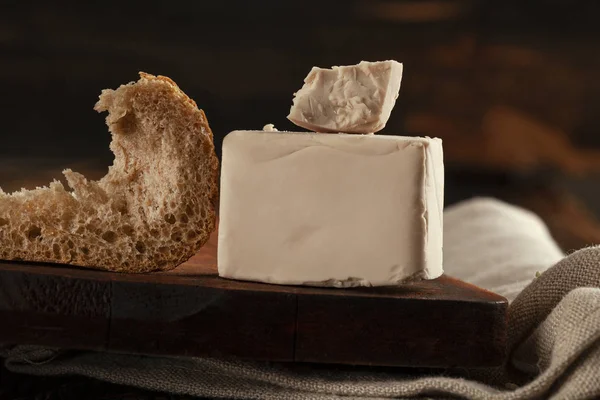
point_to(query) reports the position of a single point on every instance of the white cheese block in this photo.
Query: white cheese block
(351, 99)
(330, 210)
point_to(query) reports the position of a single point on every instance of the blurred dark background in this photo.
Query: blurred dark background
(512, 87)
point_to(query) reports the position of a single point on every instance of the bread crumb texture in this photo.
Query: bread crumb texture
(153, 210)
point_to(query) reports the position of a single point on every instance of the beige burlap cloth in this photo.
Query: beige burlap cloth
(554, 331)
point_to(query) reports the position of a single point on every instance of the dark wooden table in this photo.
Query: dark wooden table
(190, 311)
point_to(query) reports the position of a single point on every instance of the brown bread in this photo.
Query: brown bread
(153, 210)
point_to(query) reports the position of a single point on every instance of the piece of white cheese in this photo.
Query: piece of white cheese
(350, 99)
(269, 128)
(330, 210)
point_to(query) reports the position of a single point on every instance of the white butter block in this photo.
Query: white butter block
(351, 99)
(330, 209)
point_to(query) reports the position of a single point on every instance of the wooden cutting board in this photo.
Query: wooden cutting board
(190, 311)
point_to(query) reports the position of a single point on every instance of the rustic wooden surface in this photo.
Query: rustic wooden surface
(190, 311)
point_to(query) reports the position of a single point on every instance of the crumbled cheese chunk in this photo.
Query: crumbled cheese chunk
(350, 99)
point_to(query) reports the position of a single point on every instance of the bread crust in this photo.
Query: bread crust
(153, 210)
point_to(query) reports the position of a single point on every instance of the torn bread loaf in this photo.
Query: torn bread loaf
(349, 99)
(153, 210)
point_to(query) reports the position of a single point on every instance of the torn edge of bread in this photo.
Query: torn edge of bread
(153, 210)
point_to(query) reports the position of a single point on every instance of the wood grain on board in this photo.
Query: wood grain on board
(190, 311)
